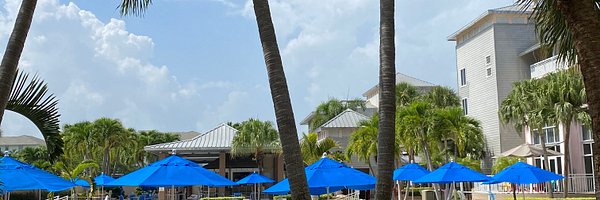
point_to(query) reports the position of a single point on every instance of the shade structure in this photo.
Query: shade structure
(172, 171)
(82, 183)
(523, 173)
(327, 173)
(16, 175)
(410, 172)
(103, 179)
(453, 172)
(254, 178)
(528, 150)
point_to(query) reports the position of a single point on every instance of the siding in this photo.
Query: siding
(480, 90)
(510, 40)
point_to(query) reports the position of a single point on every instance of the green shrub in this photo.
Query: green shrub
(223, 198)
(280, 197)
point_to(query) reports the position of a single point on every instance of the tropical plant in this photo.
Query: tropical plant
(405, 94)
(474, 164)
(328, 110)
(279, 92)
(29, 98)
(504, 162)
(387, 101)
(313, 149)
(12, 54)
(465, 132)
(109, 133)
(74, 173)
(442, 97)
(573, 28)
(36, 156)
(256, 138)
(80, 139)
(361, 141)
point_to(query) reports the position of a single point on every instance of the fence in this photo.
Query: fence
(578, 184)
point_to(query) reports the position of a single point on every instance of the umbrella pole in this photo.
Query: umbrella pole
(523, 191)
(398, 189)
(327, 192)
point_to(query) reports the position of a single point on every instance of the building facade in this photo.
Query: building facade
(493, 52)
(17, 143)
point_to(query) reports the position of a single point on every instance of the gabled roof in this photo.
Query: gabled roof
(512, 9)
(402, 78)
(347, 119)
(218, 138)
(25, 140)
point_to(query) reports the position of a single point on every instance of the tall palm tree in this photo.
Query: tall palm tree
(442, 97)
(284, 114)
(328, 110)
(387, 101)
(313, 149)
(79, 139)
(256, 138)
(405, 94)
(464, 131)
(361, 141)
(29, 97)
(109, 133)
(573, 27)
(12, 54)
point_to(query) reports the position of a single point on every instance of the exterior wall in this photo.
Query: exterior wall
(510, 40)
(480, 90)
(342, 136)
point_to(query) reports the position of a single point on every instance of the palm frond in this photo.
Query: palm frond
(29, 97)
(134, 7)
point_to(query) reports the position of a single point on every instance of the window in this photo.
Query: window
(551, 136)
(588, 160)
(488, 60)
(488, 71)
(465, 106)
(586, 133)
(463, 77)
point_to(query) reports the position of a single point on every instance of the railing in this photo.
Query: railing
(578, 184)
(546, 66)
(353, 196)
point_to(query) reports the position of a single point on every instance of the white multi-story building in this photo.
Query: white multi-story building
(492, 52)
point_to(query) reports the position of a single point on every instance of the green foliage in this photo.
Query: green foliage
(470, 163)
(312, 149)
(362, 142)
(36, 156)
(405, 94)
(282, 197)
(222, 198)
(29, 98)
(442, 97)
(255, 138)
(504, 162)
(327, 110)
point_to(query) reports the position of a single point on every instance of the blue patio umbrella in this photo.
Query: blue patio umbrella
(172, 171)
(410, 172)
(453, 172)
(82, 183)
(103, 179)
(255, 179)
(329, 174)
(523, 173)
(16, 175)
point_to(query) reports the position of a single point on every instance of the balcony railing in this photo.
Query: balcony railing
(579, 184)
(546, 66)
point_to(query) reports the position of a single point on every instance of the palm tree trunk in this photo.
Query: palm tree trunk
(371, 168)
(387, 102)
(14, 48)
(429, 164)
(106, 165)
(567, 162)
(546, 161)
(584, 23)
(281, 101)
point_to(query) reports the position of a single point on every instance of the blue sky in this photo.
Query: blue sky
(193, 64)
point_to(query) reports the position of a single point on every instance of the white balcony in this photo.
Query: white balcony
(549, 65)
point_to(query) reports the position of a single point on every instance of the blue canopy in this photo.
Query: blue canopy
(255, 178)
(453, 172)
(328, 173)
(523, 173)
(16, 175)
(172, 171)
(410, 172)
(103, 179)
(82, 183)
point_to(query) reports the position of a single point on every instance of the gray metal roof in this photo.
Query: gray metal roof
(347, 119)
(218, 138)
(25, 140)
(515, 8)
(403, 78)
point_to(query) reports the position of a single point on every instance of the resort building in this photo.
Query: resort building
(492, 52)
(17, 143)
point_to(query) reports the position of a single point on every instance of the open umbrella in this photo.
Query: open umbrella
(101, 180)
(528, 150)
(453, 172)
(329, 175)
(409, 172)
(523, 173)
(16, 175)
(82, 183)
(255, 179)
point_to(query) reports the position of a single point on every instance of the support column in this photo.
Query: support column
(162, 194)
(222, 165)
(278, 171)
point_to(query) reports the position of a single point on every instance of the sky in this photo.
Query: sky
(190, 65)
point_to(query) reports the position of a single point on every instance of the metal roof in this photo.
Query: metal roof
(218, 138)
(403, 78)
(347, 119)
(515, 8)
(21, 140)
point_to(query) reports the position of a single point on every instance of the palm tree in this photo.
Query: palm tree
(442, 97)
(387, 101)
(405, 94)
(361, 141)
(77, 172)
(464, 131)
(109, 133)
(328, 110)
(12, 54)
(573, 27)
(284, 114)
(256, 138)
(79, 138)
(313, 149)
